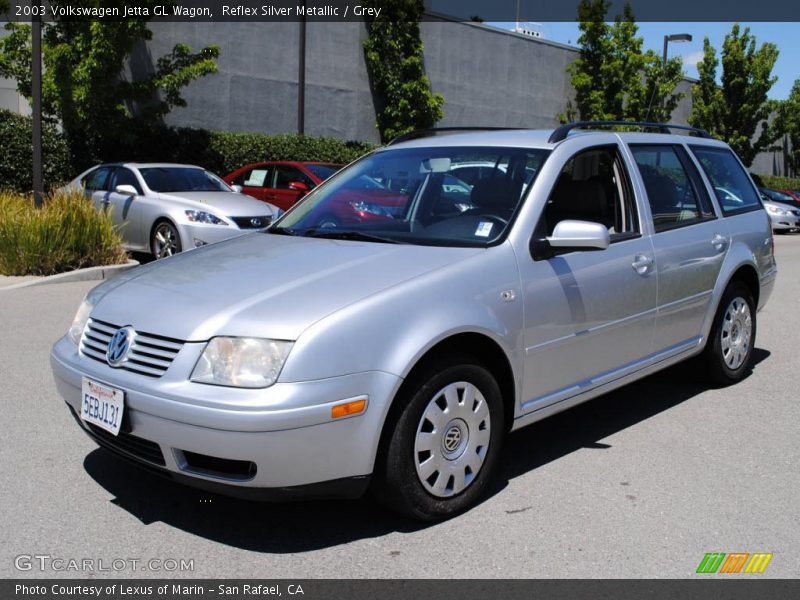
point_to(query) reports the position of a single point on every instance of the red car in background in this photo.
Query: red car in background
(793, 193)
(281, 183)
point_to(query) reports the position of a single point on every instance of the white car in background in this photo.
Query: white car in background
(164, 208)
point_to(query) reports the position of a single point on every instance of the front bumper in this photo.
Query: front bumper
(285, 431)
(784, 223)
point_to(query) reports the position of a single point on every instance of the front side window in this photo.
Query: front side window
(415, 196)
(182, 179)
(255, 177)
(732, 186)
(123, 176)
(674, 191)
(96, 180)
(593, 187)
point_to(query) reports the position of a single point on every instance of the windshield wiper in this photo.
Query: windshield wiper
(332, 234)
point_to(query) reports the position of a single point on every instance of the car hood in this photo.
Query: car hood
(261, 285)
(231, 204)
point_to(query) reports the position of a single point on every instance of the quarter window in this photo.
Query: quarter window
(732, 186)
(674, 191)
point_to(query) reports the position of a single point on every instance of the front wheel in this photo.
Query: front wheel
(444, 443)
(729, 350)
(165, 240)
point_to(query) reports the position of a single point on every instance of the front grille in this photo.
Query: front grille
(249, 223)
(149, 354)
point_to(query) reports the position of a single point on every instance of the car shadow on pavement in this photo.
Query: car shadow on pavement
(305, 526)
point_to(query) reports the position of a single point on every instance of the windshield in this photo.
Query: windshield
(182, 179)
(323, 171)
(417, 196)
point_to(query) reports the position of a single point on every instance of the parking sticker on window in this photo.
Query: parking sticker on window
(484, 229)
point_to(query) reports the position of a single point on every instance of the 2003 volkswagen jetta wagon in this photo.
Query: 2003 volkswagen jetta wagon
(484, 280)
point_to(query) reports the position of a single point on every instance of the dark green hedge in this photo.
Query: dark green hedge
(223, 152)
(16, 154)
(780, 183)
(218, 151)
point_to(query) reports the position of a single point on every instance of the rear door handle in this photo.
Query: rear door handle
(719, 241)
(641, 264)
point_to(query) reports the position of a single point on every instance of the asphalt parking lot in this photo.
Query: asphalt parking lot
(641, 482)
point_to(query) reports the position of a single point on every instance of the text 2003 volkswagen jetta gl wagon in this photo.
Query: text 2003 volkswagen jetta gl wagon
(396, 351)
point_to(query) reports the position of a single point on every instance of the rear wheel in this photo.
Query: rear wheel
(729, 350)
(444, 442)
(165, 240)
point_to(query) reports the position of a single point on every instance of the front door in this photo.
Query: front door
(589, 314)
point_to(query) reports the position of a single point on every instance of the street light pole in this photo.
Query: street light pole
(36, 93)
(301, 78)
(675, 37)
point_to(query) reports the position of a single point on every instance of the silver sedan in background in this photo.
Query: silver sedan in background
(166, 208)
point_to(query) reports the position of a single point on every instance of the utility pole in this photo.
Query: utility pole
(36, 92)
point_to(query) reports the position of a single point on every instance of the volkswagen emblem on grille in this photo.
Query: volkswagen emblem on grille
(255, 222)
(118, 346)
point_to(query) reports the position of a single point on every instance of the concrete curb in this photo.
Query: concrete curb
(88, 274)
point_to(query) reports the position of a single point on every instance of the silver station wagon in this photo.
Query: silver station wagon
(391, 329)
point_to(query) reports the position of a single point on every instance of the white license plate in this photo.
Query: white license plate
(102, 405)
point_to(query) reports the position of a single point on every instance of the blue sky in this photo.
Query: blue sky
(785, 35)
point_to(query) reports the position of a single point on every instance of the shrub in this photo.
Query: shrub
(780, 183)
(223, 152)
(67, 233)
(16, 156)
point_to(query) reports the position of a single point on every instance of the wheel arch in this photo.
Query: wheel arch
(476, 345)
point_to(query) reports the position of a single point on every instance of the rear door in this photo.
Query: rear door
(690, 242)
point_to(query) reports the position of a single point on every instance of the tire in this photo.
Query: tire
(729, 351)
(165, 240)
(436, 462)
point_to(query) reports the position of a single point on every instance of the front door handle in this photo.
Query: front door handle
(719, 242)
(641, 264)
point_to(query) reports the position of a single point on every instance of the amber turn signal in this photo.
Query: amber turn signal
(348, 409)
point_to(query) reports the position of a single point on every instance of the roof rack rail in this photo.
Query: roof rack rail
(433, 131)
(560, 133)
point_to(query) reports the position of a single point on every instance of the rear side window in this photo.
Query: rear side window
(676, 196)
(731, 184)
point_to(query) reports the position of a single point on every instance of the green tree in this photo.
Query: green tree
(738, 108)
(789, 123)
(83, 87)
(394, 54)
(613, 78)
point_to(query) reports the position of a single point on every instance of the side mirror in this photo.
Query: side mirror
(126, 190)
(237, 188)
(298, 186)
(579, 234)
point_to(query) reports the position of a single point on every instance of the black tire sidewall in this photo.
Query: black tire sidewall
(720, 371)
(403, 490)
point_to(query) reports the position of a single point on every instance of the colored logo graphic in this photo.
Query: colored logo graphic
(735, 562)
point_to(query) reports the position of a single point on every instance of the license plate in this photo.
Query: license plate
(102, 405)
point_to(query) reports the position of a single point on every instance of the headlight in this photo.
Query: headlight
(79, 322)
(241, 362)
(777, 211)
(199, 216)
